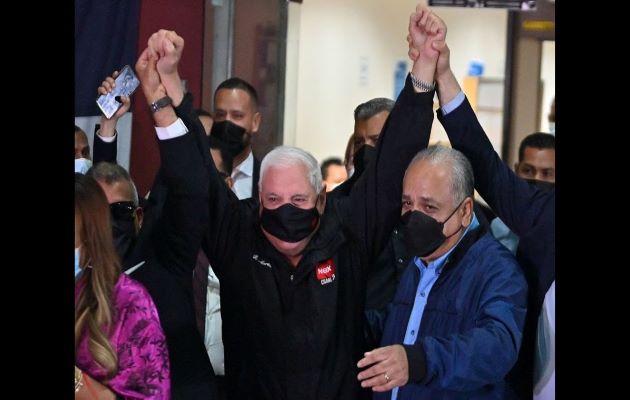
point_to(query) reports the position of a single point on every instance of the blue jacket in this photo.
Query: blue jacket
(471, 327)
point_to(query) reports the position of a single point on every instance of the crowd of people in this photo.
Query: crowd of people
(375, 276)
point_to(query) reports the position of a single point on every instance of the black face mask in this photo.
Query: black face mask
(231, 135)
(423, 234)
(124, 232)
(542, 185)
(289, 223)
(363, 157)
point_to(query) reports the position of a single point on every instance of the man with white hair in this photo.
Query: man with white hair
(292, 265)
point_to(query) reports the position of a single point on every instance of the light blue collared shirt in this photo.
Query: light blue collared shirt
(428, 276)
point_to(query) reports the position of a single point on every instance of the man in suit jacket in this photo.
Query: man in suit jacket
(236, 121)
(527, 210)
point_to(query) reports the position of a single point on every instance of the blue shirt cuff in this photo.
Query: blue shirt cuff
(453, 104)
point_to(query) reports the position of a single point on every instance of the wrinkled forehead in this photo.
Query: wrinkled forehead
(287, 180)
(427, 179)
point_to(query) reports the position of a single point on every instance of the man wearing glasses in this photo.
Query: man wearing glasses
(122, 196)
(143, 258)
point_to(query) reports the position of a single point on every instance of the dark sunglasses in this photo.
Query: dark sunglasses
(122, 209)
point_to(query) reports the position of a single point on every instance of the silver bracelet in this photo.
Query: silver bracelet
(420, 84)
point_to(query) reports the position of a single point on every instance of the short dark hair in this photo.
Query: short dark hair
(327, 163)
(238, 83)
(372, 107)
(202, 113)
(537, 140)
(110, 173)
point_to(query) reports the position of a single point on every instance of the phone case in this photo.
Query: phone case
(126, 84)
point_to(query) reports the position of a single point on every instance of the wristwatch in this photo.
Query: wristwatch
(422, 85)
(160, 103)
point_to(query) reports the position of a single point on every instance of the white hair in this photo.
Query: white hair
(287, 156)
(462, 177)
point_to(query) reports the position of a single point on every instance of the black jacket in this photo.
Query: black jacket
(297, 333)
(175, 219)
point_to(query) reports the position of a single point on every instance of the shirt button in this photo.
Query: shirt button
(413, 332)
(422, 294)
(400, 261)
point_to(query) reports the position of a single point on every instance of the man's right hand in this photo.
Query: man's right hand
(425, 28)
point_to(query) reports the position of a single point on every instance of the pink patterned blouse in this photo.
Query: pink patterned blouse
(137, 337)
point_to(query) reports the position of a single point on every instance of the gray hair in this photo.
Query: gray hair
(462, 177)
(285, 156)
(111, 173)
(372, 107)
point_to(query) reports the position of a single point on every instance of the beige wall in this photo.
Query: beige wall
(348, 52)
(548, 77)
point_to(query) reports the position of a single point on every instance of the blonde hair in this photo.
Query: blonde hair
(93, 310)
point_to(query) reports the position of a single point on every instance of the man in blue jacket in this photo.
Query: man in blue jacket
(528, 210)
(454, 326)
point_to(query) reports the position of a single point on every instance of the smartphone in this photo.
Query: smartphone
(126, 83)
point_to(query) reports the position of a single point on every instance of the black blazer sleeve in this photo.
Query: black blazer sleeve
(104, 151)
(516, 202)
(375, 200)
(184, 217)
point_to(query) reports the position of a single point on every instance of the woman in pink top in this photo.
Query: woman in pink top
(120, 349)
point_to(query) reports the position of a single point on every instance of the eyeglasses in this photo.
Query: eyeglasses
(122, 209)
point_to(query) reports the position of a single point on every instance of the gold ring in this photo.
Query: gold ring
(387, 378)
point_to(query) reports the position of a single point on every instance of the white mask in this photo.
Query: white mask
(81, 165)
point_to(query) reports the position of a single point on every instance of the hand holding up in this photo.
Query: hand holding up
(167, 47)
(108, 126)
(425, 28)
(152, 87)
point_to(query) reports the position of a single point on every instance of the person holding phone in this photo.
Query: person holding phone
(105, 135)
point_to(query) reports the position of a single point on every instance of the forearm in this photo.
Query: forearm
(378, 191)
(501, 188)
(108, 126)
(174, 87)
(447, 87)
(424, 70)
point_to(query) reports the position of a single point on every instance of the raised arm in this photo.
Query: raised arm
(105, 138)
(167, 46)
(184, 217)
(376, 197)
(516, 202)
